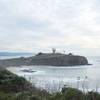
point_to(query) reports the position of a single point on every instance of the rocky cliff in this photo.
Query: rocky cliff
(57, 59)
(52, 59)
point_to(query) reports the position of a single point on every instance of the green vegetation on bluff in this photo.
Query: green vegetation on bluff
(7, 78)
(13, 87)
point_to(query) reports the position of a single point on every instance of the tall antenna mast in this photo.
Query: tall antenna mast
(53, 50)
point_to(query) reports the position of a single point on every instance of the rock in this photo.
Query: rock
(58, 59)
(52, 59)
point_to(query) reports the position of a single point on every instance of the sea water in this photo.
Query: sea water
(54, 78)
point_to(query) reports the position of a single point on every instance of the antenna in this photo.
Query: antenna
(53, 50)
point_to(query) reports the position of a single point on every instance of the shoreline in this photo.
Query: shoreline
(41, 78)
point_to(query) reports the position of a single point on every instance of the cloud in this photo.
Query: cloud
(38, 25)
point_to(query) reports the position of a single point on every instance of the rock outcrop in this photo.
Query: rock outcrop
(52, 59)
(58, 59)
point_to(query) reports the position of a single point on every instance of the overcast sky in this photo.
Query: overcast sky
(39, 25)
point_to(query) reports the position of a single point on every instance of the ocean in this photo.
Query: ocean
(52, 78)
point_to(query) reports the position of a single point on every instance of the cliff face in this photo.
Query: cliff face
(58, 60)
(14, 62)
(53, 59)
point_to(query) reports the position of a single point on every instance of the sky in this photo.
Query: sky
(39, 25)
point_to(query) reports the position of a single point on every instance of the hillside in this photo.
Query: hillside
(13, 87)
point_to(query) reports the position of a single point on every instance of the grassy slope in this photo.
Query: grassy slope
(13, 87)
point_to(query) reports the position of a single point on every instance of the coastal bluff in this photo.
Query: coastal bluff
(49, 59)
(58, 59)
